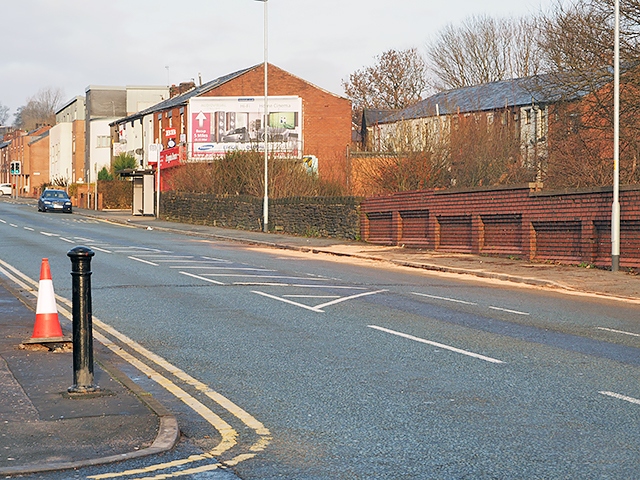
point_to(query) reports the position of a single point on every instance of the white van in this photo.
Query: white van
(5, 189)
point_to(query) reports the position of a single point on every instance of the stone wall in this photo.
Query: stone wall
(314, 217)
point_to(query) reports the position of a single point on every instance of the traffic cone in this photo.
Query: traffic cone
(47, 326)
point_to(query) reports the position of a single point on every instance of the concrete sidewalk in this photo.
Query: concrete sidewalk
(43, 428)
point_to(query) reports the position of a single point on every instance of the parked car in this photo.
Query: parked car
(5, 189)
(54, 201)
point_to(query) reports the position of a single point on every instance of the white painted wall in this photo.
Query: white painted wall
(61, 151)
(99, 153)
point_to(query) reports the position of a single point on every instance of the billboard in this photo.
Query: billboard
(221, 124)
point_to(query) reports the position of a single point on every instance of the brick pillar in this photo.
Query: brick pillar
(396, 228)
(477, 234)
(589, 242)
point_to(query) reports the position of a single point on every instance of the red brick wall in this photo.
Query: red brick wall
(326, 128)
(38, 164)
(571, 227)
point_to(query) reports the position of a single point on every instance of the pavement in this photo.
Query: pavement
(44, 428)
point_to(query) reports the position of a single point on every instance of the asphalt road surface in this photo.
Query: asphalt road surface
(300, 366)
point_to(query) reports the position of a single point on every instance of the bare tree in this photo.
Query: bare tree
(484, 49)
(577, 40)
(4, 114)
(397, 80)
(39, 109)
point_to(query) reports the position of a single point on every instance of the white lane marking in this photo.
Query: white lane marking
(66, 240)
(509, 311)
(133, 248)
(351, 297)
(618, 331)
(436, 344)
(228, 434)
(291, 302)
(217, 259)
(621, 397)
(143, 261)
(100, 249)
(273, 284)
(207, 267)
(82, 239)
(2, 221)
(246, 275)
(444, 298)
(201, 278)
(317, 308)
(311, 296)
(29, 228)
(13, 225)
(50, 234)
(160, 255)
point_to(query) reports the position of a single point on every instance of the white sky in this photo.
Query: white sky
(70, 44)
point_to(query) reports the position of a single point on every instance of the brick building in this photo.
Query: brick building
(200, 123)
(31, 149)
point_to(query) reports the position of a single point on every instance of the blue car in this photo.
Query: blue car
(54, 201)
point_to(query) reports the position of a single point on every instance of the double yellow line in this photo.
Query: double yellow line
(227, 433)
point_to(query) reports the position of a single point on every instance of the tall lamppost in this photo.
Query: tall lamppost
(265, 205)
(615, 209)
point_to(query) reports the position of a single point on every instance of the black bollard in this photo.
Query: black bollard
(82, 322)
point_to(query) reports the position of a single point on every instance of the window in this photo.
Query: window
(103, 141)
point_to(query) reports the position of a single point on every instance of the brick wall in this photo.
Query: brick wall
(323, 217)
(569, 226)
(326, 127)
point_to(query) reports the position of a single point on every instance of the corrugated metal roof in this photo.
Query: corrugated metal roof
(489, 96)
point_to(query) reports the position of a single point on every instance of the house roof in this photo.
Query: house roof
(183, 98)
(371, 116)
(540, 89)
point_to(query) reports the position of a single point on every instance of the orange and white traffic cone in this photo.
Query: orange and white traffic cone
(47, 327)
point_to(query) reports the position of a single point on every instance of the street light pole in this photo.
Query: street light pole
(265, 205)
(615, 209)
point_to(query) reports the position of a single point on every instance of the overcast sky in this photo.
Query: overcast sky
(70, 44)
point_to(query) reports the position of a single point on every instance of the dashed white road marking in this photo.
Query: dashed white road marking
(66, 240)
(48, 234)
(312, 296)
(202, 278)
(317, 308)
(13, 225)
(351, 297)
(444, 298)
(291, 302)
(618, 331)
(29, 229)
(208, 267)
(621, 397)
(100, 249)
(143, 261)
(436, 344)
(508, 310)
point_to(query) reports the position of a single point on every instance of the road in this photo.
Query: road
(303, 366)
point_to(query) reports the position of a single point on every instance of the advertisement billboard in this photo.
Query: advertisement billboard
(222, 124)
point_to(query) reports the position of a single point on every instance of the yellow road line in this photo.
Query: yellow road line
(228, 434)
